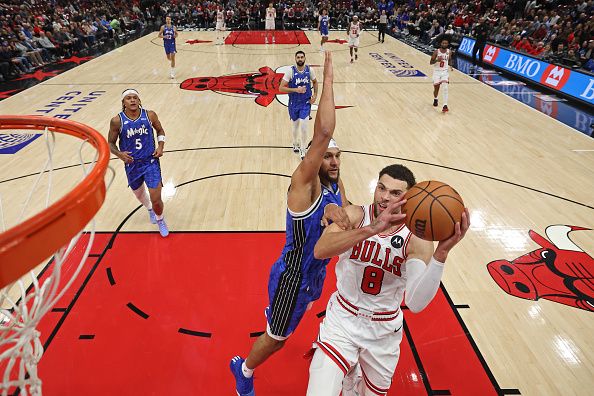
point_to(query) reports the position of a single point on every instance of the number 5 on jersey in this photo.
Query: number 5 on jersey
(138, 144)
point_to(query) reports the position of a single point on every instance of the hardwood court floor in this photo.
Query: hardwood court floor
(514, 167)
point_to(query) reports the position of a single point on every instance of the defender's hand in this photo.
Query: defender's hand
(337, 215)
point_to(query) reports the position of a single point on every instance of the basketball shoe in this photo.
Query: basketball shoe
(445, 109)
(243, 386)
(163, 230)
(435, 102)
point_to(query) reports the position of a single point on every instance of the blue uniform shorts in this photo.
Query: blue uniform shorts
(146, 171)
(300, 112)
(170, 48)
(289, 296)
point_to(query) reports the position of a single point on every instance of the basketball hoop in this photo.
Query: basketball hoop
(52, 232)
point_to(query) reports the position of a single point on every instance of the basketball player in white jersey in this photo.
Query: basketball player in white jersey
(270, 23)
(220, 26)
(378, 260)
(442, 63)
(354, 32)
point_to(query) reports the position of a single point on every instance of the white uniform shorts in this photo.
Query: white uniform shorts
(269, 24)
(441, 76)
(220, 26)
(375, 345)
(353, 41)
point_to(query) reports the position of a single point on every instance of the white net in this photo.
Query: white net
(25, 302)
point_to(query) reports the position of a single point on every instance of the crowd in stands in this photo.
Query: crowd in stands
(36, 32)
(554, 30)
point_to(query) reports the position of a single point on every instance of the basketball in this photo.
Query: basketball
(432, 210)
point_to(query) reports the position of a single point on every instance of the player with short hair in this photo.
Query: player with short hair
(358, 345)
(297, 82)
(270, 24)
(354, 32)
(296, 278)
(220, 25)
(323, 27)
(442, 62)
(168, 33)
(134, 126)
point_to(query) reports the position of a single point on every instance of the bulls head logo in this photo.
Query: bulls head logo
(559, 271)
(262, 85)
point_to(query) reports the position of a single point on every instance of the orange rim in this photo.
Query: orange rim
(27, 244)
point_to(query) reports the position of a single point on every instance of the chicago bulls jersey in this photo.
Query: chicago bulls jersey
(220, 16)
(270, 13)
(354, 30)
(443, 60)
(371, 275)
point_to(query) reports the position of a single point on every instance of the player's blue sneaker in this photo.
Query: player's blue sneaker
(152, 216)
(163, 230)
(243, 386)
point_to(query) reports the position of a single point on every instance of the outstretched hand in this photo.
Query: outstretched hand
(390, 217)
(444, 247)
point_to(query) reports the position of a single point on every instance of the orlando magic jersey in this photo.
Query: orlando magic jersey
(168, 34)
(297, 277)
(299, 79)
(136, 136)
(324, 22)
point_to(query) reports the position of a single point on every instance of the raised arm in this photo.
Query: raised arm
(424, 267)
(335, 241)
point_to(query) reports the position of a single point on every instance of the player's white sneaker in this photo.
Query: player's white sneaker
(295, 148)
(163, 230)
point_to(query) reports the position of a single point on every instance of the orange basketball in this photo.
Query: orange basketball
(432, 210)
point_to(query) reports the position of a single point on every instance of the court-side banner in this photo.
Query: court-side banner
(571, 82)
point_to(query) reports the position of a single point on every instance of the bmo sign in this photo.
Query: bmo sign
(525, 66)
(574, 83)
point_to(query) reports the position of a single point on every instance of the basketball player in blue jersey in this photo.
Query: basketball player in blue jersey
(323, 27)
(168, 33)
(134, 127)
(296, 278)
(297, 82)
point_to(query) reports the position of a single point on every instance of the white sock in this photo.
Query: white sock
(296, 131)
(246, 371)
(303, 136)
(143, 197)
(159, 217)
(445, 94)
